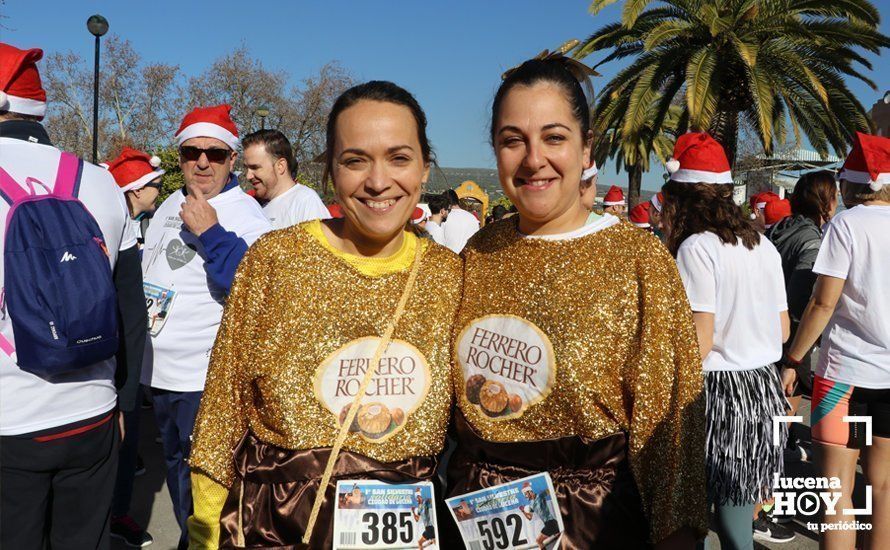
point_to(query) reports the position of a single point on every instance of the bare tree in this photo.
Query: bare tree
(137, 103)
(242, 82)
(299, 112)
(313, 103)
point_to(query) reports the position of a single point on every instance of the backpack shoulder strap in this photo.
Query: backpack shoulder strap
(10, 190)
(68, 177)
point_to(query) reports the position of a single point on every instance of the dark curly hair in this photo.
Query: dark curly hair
(691, 208)
(813, 194)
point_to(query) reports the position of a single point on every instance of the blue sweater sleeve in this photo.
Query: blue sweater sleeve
(224, 251)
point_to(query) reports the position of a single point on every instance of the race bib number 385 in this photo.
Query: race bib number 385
(373, 514)
(399, 386)
(507, 363)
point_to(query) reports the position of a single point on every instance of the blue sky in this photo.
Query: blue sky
(449, 54)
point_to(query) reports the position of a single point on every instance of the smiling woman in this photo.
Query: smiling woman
(314, 308)
(576, 351)
(379, 157)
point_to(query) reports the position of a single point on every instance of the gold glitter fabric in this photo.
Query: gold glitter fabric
(297, 327)
(588, 336)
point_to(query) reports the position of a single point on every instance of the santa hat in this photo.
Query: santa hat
(776, 211)
(614, 196)
(335, 210)
(20, 88)
(657, 201)
(423, 215)
(868, 162)
(526, 486)
(760, 200)
(213, 122)
(639, 215)
(589, 173)
(132, 169)
(418, 215)
(698, 158)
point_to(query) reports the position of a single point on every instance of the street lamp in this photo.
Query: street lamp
(98, 26)
(887, 98)
(262, 112)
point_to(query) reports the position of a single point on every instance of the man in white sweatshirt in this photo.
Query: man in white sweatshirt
(192, 249)
(269, 166)
(460, 224)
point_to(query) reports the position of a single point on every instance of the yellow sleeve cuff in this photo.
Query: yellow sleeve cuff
(208, 498)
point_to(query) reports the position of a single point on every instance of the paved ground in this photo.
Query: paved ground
(151, 502)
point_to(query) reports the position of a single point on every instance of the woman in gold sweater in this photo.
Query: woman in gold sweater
(308, 310)
(575, 350)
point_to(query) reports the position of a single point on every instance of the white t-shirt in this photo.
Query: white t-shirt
(591, 225)
(745, 290)
(29, 403)
(436, 232)
(173, 258)
(856, 342)
(459, 227)
(296, 205)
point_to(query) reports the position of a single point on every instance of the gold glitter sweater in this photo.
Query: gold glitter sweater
(298, 304)
(293, 305)
(587, 336)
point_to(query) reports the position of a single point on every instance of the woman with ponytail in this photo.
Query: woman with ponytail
(575, 350)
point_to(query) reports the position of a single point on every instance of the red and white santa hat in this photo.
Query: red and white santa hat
(698, 158)
(132, 169)
(639, 215)
(526, 487)
(776, 211)
(213, 122)
(614, 196)
(868, 162)
(20, 88)
(760, 200)
(589, 173)
(335, 210)
(657, 201)
(421, 213)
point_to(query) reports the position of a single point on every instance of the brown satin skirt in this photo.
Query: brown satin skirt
(598, 497)
(270, 501)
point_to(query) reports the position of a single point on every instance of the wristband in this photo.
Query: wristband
(790, 361)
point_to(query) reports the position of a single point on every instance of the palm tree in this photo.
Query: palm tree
(632, 149)
(770, 62)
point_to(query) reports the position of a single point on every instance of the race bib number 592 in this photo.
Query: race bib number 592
(519, 514)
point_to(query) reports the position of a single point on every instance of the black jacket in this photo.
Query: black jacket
(797, 239)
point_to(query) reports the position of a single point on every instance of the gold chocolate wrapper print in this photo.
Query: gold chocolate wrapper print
(398, 387)
(508, 365)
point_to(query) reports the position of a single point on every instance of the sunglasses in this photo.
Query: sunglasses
(191, 154)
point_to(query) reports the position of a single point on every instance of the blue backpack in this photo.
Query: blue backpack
(59, 290)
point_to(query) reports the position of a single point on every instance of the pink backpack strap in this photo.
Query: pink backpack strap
(6, 346)
(10, 190)
(68, 177)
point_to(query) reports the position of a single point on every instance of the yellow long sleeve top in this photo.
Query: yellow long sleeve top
(587, 336)
(300, 318)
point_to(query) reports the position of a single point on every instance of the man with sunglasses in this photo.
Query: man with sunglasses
(192, 248)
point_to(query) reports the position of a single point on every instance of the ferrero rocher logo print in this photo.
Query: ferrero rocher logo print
(399, 386)
(507, 363)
